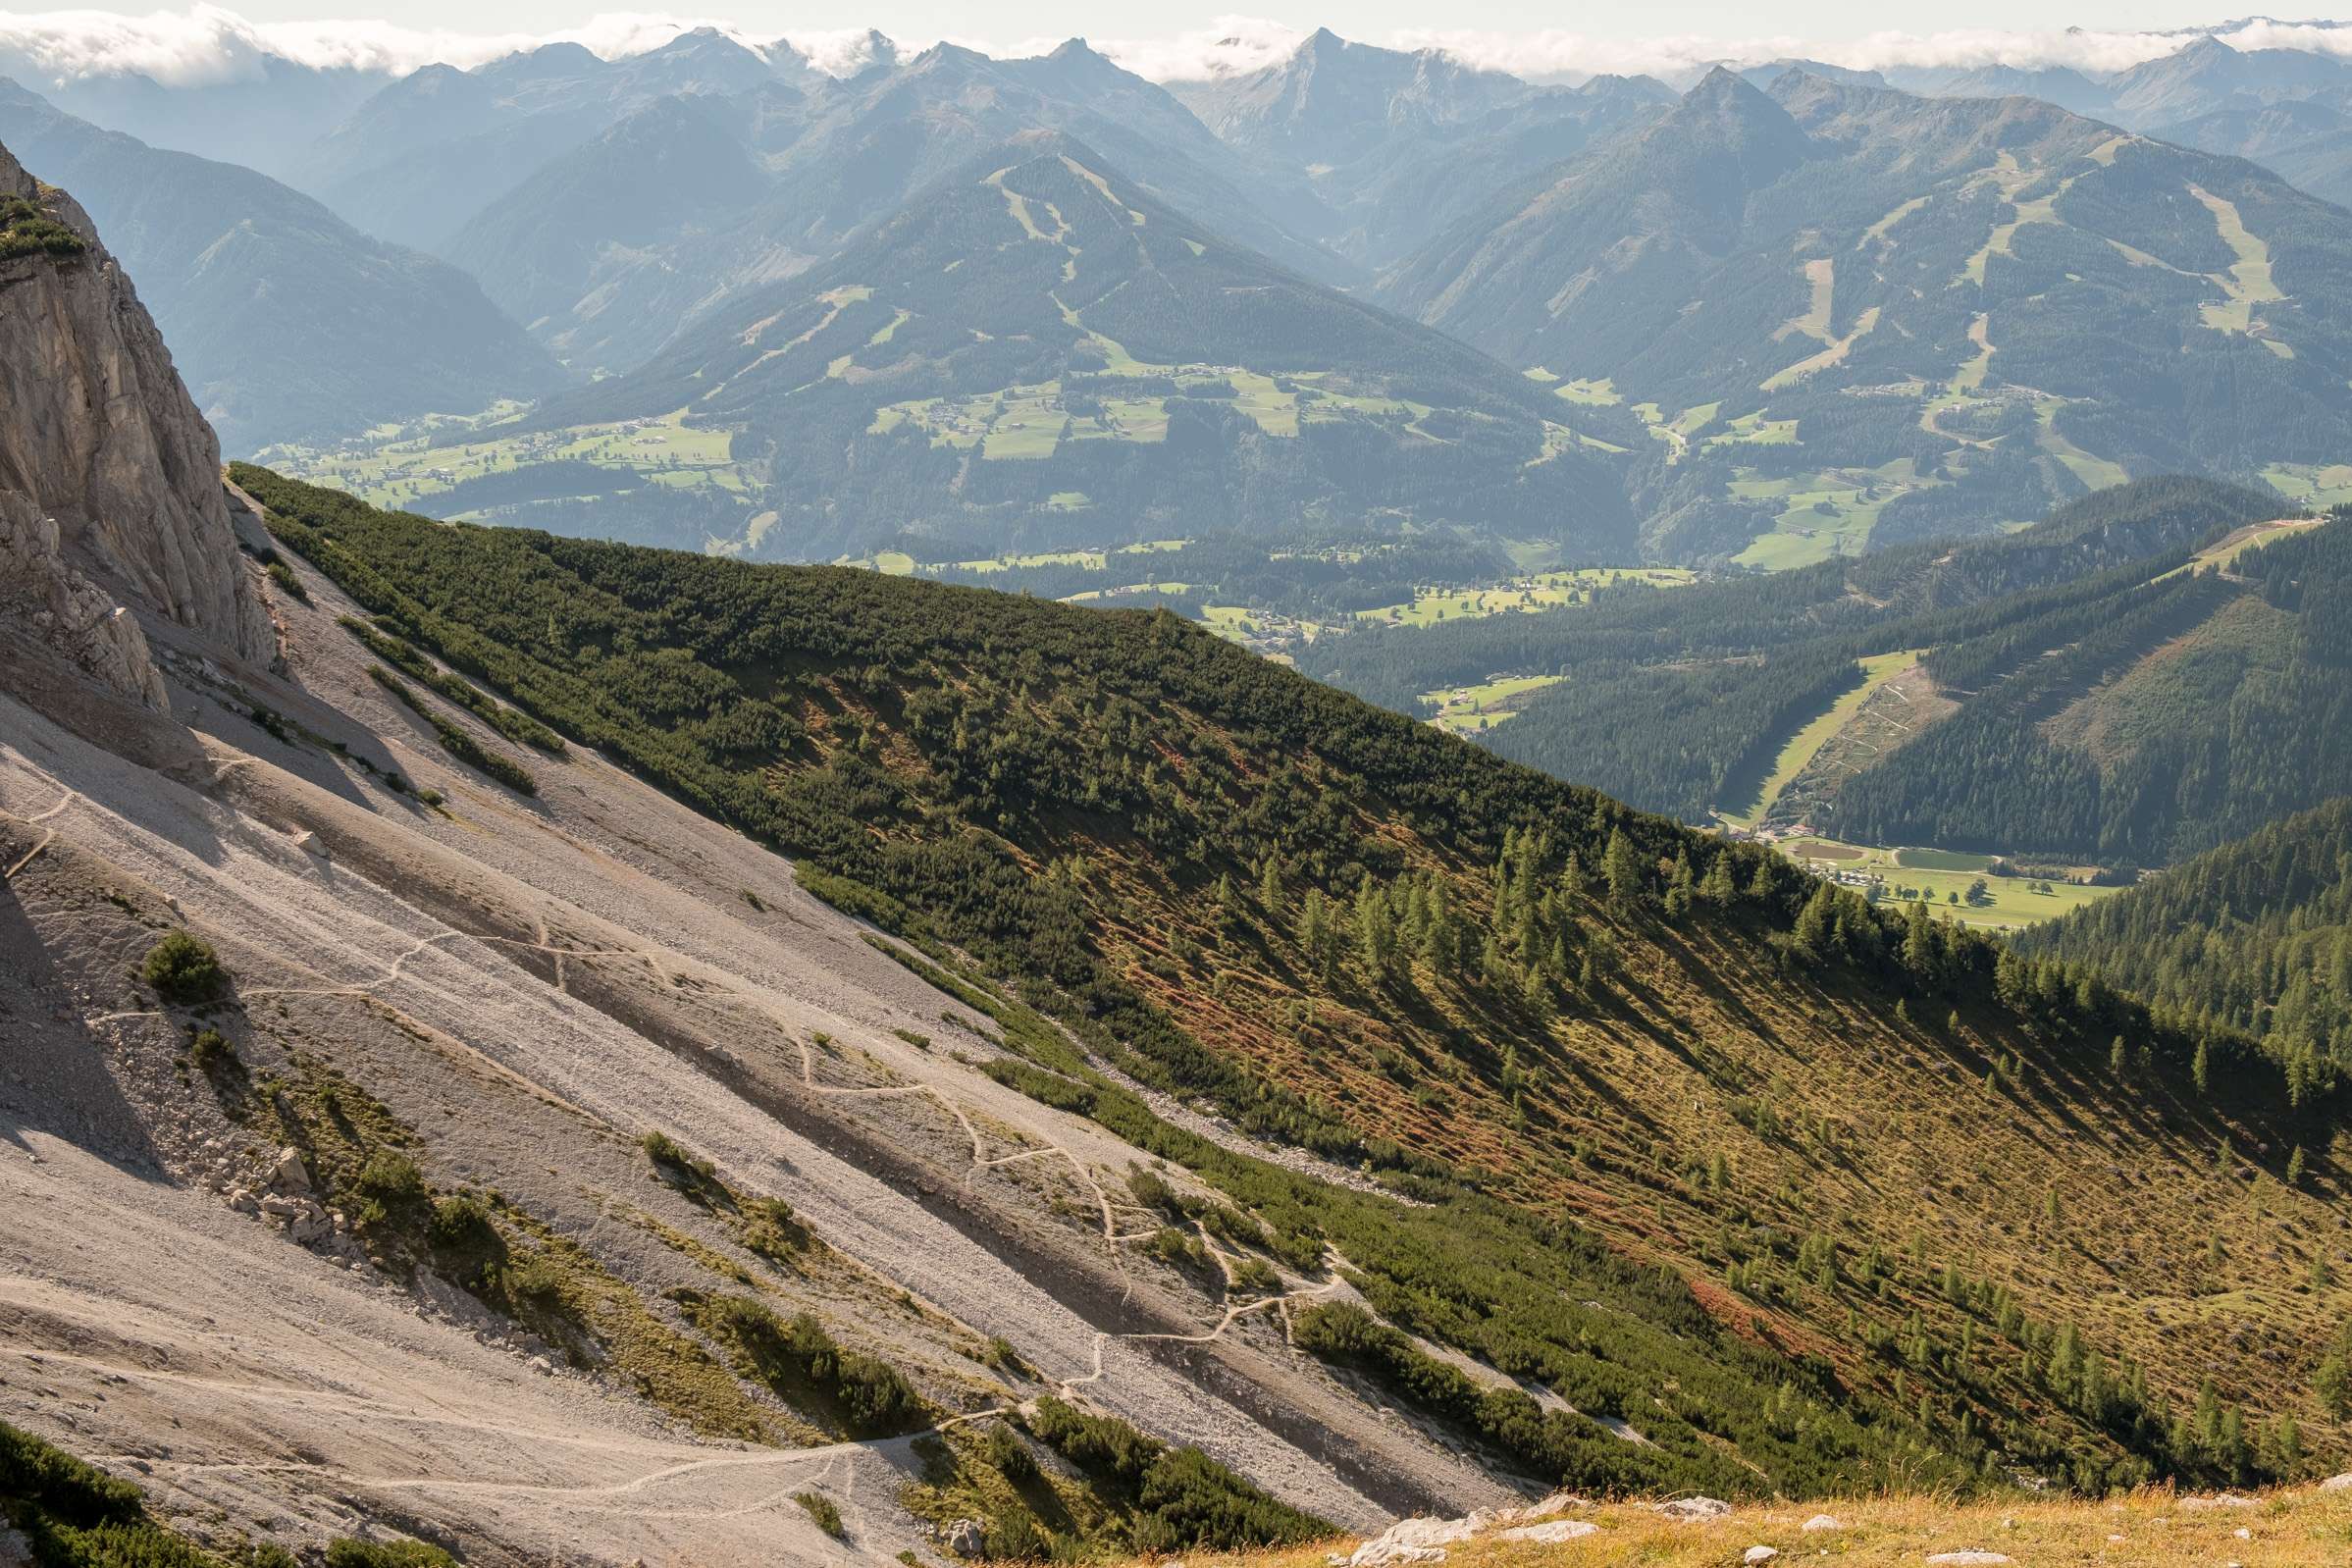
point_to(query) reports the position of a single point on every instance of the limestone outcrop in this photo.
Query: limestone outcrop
(110, 487)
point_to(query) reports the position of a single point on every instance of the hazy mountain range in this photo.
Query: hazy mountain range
(288, 323)
(1035, 337)
(1789, 311)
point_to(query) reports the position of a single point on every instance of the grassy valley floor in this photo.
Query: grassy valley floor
(1945, 878)
(2151, 1528)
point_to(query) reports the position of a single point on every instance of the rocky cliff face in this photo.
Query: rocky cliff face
(110, 488)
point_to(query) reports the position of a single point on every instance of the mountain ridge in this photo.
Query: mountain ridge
(1977, 308)
(1035, 327)
(290, 325)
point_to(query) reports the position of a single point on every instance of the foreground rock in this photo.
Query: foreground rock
(1692, 1510)
(1417, 1540)
(1424, 1540)
(1555, 1530)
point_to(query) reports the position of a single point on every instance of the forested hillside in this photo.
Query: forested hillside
(2255, 935)
(1739, 663)
(1838, 1177)
(2180, 712)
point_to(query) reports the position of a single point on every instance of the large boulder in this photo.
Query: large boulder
(1416, 1540)
(288, 1172)
(1692, 1510)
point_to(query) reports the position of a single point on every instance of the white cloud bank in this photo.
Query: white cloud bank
(207, 44)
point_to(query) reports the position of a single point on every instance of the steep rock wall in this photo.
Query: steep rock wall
(110, 487)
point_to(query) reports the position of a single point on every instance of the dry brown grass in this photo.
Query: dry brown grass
(2289, 1528)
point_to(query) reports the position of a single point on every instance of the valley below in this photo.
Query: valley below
(1250, 800)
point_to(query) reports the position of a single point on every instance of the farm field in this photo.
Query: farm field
(1599, 393)
(1823, 515)
(1540, 591)
(2317, 486)
(403, 466)
(2094, 471)
(898, 563)
(1803, 746)
(1030, 420)
(1261, 631)
(1755, 429)
(1092, 559)
(1941, 875)
(2229, 551)
(1472, 710)
(1125, 591)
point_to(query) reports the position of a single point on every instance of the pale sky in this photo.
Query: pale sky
(1365, 18)
(188, 41)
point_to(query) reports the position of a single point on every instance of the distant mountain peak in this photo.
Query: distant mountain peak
(950, 54)
(548, 60)
(2204, 47)
(1725, 98)
(704, 41)
(1078, 61)
(880, 49)
(427, 80)
(1719, 85)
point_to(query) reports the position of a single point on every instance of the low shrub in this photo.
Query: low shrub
(820, 1507)
(351, 1552)
(70, 1514)
(184, 969)
(390, 1186)
(1253, 1276)
(1182, 1499)
(456, 742)
(1001, 1355)
(462, 1224)
(26, 231)
(767, 1226)
(1010, 1455)
(283, 576)
(802, 1366)
(210, 1049)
